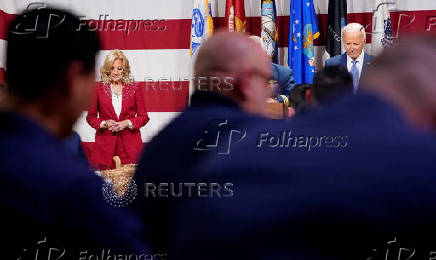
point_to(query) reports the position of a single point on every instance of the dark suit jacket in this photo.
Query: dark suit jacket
(366, 186)
(285, 79)
(178, 149)
(341, 60)
(49, 195)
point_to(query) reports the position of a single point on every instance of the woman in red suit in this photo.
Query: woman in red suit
(121, 109)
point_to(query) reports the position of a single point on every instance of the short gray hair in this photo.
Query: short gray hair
(354, 27)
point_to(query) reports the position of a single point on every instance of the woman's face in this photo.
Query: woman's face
(117, 71)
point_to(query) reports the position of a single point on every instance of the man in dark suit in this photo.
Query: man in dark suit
(355, 60)
(52, 205)
(209, 127)
(285, 80)
(352, 181)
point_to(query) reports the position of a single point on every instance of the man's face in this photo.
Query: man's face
(260, 76)
(83, 89)
(353, 43)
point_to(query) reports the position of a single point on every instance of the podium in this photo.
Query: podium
(277, 111)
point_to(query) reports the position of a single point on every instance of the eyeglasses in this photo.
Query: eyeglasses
(261, 74)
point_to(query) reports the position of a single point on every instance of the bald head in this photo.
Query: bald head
(238, 60)
(226, 52)
(259, 41)
(404, 75)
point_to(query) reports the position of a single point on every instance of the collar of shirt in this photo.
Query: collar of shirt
(359, 63)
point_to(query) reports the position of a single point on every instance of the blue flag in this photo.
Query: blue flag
(303, 30)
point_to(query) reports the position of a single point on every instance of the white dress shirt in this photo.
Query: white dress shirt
(117, 103)
(359, 63)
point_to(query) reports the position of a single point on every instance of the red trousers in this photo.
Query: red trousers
(120, 151)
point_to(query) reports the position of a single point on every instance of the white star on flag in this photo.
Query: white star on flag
(298, 35)
(308, 4)
(296, 48)
(297, 21)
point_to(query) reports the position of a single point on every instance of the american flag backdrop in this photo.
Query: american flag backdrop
(155, 36)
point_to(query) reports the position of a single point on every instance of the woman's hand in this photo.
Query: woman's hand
(108, 124)
(119, 126)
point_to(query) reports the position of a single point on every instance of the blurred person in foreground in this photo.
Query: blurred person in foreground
(231, 88)
(73, 145)
(301, 98)
(355, 60)
(354, 180)
(2, 94)
(52, 204)
(282, 75)
(330, 84)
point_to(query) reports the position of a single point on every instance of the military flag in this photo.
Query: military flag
(269, 30)
(381, 27)
(336, 20)
(235, 16)
(202, 24)
(303, 31)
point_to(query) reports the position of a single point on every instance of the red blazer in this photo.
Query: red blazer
(133, 108)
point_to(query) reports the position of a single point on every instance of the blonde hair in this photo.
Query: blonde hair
(106, 68)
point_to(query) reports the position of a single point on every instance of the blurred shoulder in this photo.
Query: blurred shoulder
(281, 68)
(334, 61)
(368, 56)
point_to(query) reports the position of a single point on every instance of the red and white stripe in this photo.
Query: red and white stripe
(164, 54)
